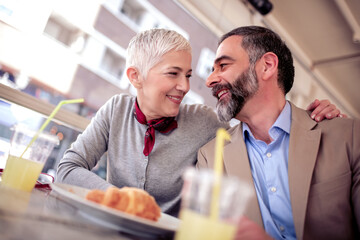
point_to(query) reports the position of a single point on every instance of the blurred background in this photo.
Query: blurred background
(51, 50)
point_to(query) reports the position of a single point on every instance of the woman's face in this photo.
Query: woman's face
(165, 86)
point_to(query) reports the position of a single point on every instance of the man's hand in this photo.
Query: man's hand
(249, 230)
(323, 109)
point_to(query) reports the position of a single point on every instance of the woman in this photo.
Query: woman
(149, 139)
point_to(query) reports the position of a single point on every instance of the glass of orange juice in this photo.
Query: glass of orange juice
(22, 167)
(195, 214)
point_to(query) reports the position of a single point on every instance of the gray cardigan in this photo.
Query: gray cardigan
(115, 130)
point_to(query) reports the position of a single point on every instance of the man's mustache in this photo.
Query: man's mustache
(215, 90)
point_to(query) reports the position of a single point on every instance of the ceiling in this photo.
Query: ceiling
(324, 35)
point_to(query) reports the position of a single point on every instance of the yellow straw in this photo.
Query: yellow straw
(51, 116)
(221, 136)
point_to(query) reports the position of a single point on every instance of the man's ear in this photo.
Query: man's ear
(269, 65)
(134, 76)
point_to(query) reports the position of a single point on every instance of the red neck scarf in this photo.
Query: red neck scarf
(163, 125)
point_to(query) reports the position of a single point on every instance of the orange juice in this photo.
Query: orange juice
(197, 226)
(21, 173)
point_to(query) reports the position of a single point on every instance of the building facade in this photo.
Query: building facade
(77, 49)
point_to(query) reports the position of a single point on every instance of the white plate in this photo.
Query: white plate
(109, 217)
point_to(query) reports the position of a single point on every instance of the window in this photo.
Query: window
(205, 63)
(65, 33)
(140, 15)
(113, 63)
(133, 10)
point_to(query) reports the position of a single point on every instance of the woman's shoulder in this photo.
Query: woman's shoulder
(197, 108)
(119, 100)
(200, 114)
(122, 98)
(117, 103)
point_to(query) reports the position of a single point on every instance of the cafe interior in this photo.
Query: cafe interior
(53, 51)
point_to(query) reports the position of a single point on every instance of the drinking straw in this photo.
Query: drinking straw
(51, 116)
(221, 136)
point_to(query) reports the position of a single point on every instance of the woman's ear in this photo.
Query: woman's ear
(134, 77)
(269, 65)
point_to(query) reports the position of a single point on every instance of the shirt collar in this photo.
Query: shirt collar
(283, 122)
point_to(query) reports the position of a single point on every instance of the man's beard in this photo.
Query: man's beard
(244, 87)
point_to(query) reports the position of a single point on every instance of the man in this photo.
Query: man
(305, 175)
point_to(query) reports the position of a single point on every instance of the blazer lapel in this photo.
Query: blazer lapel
(236, 163)
(303, 149)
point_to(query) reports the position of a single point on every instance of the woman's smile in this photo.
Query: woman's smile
(175, 99)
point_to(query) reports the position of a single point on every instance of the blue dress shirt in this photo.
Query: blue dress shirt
(269, 167)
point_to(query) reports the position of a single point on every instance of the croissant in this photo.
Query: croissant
(127, 199)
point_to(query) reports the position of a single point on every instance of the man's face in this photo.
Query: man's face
(233, 80)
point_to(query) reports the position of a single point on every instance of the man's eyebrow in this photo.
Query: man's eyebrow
(224, 57)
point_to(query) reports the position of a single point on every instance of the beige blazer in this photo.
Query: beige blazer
(324, 175)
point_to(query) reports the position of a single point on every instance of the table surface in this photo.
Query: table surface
(42, 214)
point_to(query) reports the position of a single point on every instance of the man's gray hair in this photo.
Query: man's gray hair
(146, 48)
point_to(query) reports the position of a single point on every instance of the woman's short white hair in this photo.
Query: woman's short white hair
(146, 48)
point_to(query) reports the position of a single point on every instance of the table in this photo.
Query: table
(43, 215)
